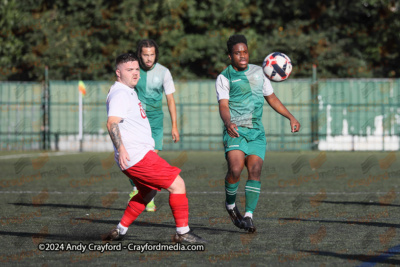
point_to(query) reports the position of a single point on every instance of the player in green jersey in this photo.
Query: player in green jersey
(155, 79)
(241, 90)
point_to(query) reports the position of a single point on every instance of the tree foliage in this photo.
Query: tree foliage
(80, 39)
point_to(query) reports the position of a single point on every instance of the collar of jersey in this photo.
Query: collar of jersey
(240, 71)
(125, 86)
(154, 65)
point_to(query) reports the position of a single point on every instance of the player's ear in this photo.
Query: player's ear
(230, 58)
(118, 73)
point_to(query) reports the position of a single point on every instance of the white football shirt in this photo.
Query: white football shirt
(123, 102)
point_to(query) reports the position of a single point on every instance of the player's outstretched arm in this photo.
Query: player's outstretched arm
(277, 105)
(172, 112)
(231, 128)
(113, 130)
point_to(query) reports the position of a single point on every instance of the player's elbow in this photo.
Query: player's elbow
(270, 97)
(110, 122)
(108, 125)
(223, 104)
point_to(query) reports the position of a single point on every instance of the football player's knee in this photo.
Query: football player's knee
(180, 183)
(178, 186)
(235, 171)
(255, 171)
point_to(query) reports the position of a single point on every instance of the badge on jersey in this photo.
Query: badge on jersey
(142, 112)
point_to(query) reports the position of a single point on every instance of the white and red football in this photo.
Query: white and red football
(277, 66)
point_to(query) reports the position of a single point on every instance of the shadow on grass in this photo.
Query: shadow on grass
(378, 224)
(172, 225)
(87, 237)
(92, 233)
(85, 230)
(68, 206)
(63, 237)
(359, 203)
(357, 257)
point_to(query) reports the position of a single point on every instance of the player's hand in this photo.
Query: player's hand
(123, 158)
(294, 125)
(232, 129)
(175, 134)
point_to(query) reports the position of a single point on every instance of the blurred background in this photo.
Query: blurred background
(344, 88)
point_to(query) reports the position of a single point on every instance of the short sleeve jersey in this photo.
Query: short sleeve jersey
(245, 91)
(122, 101)
(150, 88)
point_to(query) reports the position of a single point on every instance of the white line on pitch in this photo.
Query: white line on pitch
(36, 155)
(194, 193)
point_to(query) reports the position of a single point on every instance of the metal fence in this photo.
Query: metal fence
(348, 114)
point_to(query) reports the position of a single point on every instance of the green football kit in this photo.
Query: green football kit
(245, 91)
(150, 88)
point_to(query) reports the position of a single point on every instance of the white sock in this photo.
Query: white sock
(230, 206)
(248, 214)
(122, 229)
(134, 188)
(182, 230)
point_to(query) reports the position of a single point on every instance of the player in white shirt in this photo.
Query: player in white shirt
(156, 80)
(130, 133)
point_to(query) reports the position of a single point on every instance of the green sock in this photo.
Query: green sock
(132, 183)
(252, 193)
(230, 192)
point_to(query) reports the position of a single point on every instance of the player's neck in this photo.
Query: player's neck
(148, 69)
(118, 80)
(240, 69)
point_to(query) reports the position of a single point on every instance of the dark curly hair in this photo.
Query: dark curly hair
(146, 43)
(235, 39)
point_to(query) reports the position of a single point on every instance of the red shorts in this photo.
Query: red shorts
(152, 172)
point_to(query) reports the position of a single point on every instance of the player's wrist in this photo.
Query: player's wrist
(121, 149)
(227, 123)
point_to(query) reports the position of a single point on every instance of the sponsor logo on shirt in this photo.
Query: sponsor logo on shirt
(234, 146)
(236, 80)
(142, 112)
(257, 77)
(156, 80)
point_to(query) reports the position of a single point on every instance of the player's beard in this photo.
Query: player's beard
(144, 66)
(147, 67)
(241, 67)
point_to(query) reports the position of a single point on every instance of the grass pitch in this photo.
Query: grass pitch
(315, 209)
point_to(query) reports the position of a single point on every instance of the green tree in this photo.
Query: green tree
(80, 39)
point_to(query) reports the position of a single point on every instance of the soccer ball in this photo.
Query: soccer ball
(277, 66)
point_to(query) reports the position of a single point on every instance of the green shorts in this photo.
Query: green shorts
(157, 128)
(250, 141)
(157, 134)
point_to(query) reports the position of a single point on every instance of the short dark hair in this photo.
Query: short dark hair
(146, 43)
(126, 57)
(235, 39)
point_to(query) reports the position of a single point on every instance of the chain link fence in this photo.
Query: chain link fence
(343, 114)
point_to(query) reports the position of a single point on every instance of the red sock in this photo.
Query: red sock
(180, 209)
(135, 207)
